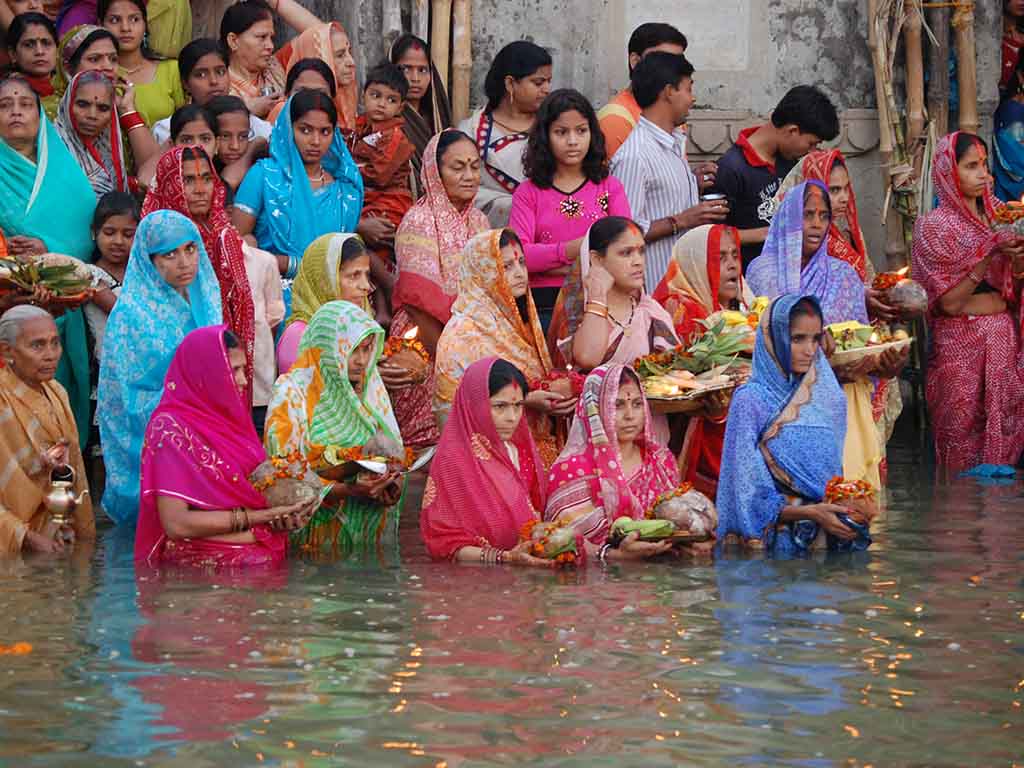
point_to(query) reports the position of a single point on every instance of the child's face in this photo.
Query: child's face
(380, 102)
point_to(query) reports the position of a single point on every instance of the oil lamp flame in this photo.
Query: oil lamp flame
(411, 334)
(902, 272)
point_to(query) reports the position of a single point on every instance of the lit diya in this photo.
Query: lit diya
(1010, 216)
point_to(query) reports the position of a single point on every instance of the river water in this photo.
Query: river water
(909, 654)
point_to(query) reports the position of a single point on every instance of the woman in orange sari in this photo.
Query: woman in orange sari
(703, 278)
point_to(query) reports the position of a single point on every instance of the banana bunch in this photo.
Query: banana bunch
(850, 335)
(62, 279)
(761, 303)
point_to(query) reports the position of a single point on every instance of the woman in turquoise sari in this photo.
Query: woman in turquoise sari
(44, 208)
(308, 187)
(169, 290)
(784, 440)
(1008, 167)
(334, 399)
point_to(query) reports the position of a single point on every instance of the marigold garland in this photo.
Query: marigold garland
(283, 470)
(681, 490)
(395, 344)
(886, 280)
(538, 545)
(1008, 214)
(839, 489)
(355, 453)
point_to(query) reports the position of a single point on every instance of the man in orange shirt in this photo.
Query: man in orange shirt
(619, 116)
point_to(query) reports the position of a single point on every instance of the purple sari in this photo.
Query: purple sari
(834, 283)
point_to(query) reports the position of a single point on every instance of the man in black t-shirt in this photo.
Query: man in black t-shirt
(750, 173)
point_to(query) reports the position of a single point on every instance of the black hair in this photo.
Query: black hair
(194, 51)
(809, 110)
(225, 105)
(450, 137)
(389, 75)
(19, 79)
(115, 204)
(609, 229)
(398, 50)
(305, 102)
(185, 115)
(629, 375)
(655, 73)
(806, 307)
(502, 374)
(195, 153)
(964, 141)
(352, 248)
(101, 11)
(21, 24)
(230, 340)
(241, 16)
(539, 163)
(653, 34)
(517, 60)
(509, 237)
(311, 65)
(90, 40)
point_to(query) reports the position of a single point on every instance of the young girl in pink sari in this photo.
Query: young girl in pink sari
(197, 506)
(486, 480)
(612, 466)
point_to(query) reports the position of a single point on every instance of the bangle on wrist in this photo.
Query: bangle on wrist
(595, 313)
(674, 225)
(131, 120)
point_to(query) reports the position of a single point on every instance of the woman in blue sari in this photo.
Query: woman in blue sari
(795, 259)
(44, 208)
(1008, 167)
(308, 187)
(169, 290)
(784, 439)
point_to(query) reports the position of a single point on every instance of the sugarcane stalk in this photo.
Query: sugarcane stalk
(967, 74)
(440, 36)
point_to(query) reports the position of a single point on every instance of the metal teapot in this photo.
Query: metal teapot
(61, 502)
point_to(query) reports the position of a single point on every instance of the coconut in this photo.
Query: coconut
(285, 491)
(691, 511)
(909, 297)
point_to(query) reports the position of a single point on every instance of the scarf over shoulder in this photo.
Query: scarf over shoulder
(145, 328)
(784, 437)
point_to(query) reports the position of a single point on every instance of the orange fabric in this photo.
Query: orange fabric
(315, 43)
(615, 127)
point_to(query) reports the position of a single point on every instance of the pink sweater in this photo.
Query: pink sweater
(546, 219)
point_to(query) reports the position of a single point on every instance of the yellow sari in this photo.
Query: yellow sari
(30, 422)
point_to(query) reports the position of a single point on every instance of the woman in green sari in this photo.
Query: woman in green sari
(330, 404)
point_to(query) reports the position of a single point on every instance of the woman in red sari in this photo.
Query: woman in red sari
(975, 387)
(186, 182)
(703, 277)
(486, 480)
(197, 506)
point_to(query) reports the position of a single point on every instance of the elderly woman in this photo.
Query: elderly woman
(247, 33)
(428, 248)
(517, 83)
(331, 402)
(309, 186)
(46, 205)
(197, 505)
(169, 290)
(612, 466)
(39, 437)
(88, 122)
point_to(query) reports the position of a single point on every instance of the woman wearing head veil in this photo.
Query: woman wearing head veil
(795, 259)
(784, 439)
(169, 290)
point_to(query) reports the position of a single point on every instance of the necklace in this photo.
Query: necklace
(320, 179)
(626, 327)
(134, 69)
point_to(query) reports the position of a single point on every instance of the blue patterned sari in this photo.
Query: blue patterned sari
(145, 327)
(783, 440)
(1008, 165)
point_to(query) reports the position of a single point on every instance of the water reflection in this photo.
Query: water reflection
(890, 657)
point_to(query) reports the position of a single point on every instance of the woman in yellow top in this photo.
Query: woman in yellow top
(38, 435)
(157, 83)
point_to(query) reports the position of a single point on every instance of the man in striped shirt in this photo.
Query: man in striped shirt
(663, 192)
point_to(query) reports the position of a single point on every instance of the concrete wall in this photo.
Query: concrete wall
(748, 53)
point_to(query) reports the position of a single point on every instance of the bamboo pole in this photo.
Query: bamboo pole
(938, 72)
(421, 19)
(440, 28)
(391, 23)
(913, 54)
(878, 59)
(462, 57)
(967, 75)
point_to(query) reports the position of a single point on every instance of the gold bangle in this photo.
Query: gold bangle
(595, 313)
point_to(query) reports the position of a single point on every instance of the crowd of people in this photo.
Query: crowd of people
(292, 268)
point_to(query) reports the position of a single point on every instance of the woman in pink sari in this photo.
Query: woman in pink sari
(612, 466)
(975, 387)
(428, 250)
(197, 506)
(486, 480)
